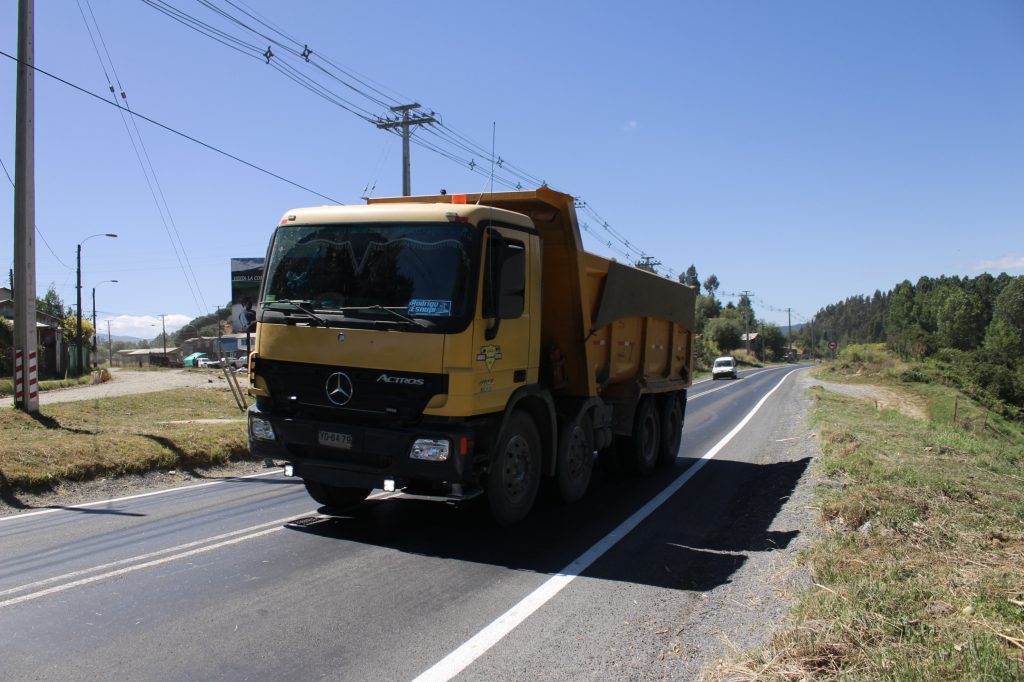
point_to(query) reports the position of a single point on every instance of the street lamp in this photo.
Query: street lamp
(78, 286)
(95, 329)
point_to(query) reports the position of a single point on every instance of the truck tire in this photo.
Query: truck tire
(643, 446)
(575, 459)
(335, 497)
(514, 475)
(671, 429)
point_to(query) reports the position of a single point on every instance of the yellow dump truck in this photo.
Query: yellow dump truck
(454, 346)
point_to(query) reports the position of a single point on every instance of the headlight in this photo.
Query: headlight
(430, 449)
(261, 429)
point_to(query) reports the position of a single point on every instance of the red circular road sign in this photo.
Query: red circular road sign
(832, 345)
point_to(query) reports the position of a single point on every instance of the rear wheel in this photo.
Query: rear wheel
(514, 475)
(643, 446)
(335, 497)
(575, 459)
(671, 429)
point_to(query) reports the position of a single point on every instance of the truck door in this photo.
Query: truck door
(501, 341)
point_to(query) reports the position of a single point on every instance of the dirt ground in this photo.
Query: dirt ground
(884, 398)
(131, 382)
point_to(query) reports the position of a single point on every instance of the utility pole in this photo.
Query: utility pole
(746, 317)
(26, 393)
(163, 333)
(648, 263)
(78, 308)
(110, 347)
(404, 123)
(789, 320)
(95, 329)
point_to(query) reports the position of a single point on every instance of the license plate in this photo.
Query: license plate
(331, 439)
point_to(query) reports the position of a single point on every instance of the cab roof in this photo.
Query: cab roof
(403, 212)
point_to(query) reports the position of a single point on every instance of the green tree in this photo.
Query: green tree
(773, 341)
(50, 307)
(724, 332)
(69, 328)
(746, 310)
(708, 308)
(960, 321)
(6, 333)
(690, 277)
(1005, 334)
(711, 285)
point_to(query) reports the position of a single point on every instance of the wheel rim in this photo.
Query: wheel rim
(516, 472)
(577, 452)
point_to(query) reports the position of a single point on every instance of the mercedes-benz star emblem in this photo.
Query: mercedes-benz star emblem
(339, 388)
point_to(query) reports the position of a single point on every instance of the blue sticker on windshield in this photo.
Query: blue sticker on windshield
(427, 308)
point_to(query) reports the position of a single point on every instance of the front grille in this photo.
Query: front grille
(301, 389)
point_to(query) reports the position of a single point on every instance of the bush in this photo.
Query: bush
(915, 375)
(867, 353)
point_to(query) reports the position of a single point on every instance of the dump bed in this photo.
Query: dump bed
(617, 329)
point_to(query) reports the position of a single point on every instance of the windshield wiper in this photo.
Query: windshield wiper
(397, 314)
(303, 306)
(390, 311)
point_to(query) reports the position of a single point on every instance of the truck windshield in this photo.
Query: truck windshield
(416, 269)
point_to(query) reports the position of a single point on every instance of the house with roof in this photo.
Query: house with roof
(50, 342)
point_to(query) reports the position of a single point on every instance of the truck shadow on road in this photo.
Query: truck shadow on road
(695, 541)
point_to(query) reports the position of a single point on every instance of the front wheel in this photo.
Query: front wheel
(335, 497)
(514, 475)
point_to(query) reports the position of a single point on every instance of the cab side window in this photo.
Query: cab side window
(504, 276)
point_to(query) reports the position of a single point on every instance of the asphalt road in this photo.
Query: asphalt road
(211, 582)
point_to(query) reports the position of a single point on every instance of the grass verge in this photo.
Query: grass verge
(921, 572)
(7, 385)
(82, 440)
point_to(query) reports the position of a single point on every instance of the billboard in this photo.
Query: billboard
(246, 278)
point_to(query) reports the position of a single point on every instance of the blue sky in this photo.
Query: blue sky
(805, 151)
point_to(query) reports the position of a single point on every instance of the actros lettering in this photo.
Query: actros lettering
(406, 381)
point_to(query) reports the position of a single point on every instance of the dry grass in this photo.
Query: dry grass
(112, 436)
(921, 573)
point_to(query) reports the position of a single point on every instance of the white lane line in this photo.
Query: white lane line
(725, 386)
(458, 660)
(156, 553)
(136, 567)
(148, 555)
(86, 505)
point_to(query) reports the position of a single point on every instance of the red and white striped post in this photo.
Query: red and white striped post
(26, 379)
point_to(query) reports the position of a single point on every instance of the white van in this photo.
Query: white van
(724, 367)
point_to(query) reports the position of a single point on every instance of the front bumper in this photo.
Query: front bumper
(374, 454)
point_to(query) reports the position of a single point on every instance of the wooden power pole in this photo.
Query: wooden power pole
(26, 388)
(404, 123)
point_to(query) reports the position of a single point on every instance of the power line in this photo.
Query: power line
(177, 132)
(147, 167)
(6, 173)
(448, 139)
(38, 231)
